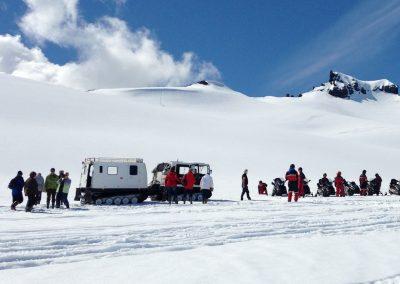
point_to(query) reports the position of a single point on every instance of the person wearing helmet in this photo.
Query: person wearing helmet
(16, 185)
(339, 184)
(302, 177)
(245, 186)
(171, 183)
(188, 182)
(363, 183)
(292, 177)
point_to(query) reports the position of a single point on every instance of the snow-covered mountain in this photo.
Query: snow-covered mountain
(344, 86)
(47, 126)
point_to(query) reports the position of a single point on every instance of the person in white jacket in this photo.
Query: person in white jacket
(206, 186)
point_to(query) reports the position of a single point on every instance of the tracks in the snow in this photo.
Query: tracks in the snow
(66, 236)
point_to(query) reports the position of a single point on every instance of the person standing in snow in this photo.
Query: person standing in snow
(206, 186)
(363, 183)
(50, 187)
(245, 186)
(31, 191)
(171, 183)
(339, 184)
(262, 188)
(60, 185)
(65, 185)
(40, 182)
(324, 181)
(188, 182)
(293, 180)
(377, 184)
(300, 185)
(16, 185)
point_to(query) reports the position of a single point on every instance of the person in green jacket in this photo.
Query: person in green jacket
(50, 186)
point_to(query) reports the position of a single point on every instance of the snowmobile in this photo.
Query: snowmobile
(394, 187)
(112, 181)
(351, 188)
(279, 188)
(157, 189)
(372, 188)
(326, 190)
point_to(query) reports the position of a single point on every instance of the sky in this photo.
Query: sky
(256, 47)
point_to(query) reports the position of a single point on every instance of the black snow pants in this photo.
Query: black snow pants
(30, 203)
(51, 194)
(245, 190)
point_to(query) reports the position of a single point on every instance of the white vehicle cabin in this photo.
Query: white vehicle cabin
(112, 177)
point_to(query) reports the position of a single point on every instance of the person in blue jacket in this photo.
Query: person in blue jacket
(17, 185)
(292, 176)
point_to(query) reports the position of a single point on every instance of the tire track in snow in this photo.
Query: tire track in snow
(62, 236)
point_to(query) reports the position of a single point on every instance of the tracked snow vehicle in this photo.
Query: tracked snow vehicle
(157, 185)
(112, 181)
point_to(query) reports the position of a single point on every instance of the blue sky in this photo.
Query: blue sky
(259, 47)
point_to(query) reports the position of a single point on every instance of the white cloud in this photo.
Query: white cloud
(110, 54)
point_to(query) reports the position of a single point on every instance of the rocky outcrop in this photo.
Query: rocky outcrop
(344, 86)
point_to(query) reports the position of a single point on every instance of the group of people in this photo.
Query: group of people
(296, 181)
(188, 181)
(56, 187)
(363, 180)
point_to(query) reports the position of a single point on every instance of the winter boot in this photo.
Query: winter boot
(296, 196)
(289, 197)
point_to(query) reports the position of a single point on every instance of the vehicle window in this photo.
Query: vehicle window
(203, 170)
(112, 170)
(160, 167)
(133, 170)
(183, 170)
(101, 169)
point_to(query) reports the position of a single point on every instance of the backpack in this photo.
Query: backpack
(11, 185)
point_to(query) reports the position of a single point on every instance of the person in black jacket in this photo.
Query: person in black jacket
(245, 186)
(17, 185)
(31, 191)
(292, 176)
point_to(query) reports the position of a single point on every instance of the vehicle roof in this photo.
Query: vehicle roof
(114, 160)
(186, 163)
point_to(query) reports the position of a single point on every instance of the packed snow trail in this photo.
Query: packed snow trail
(85, 233)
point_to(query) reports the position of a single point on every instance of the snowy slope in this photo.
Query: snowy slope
(50, 126)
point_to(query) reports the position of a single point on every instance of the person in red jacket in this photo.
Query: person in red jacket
(293, 180)
(171, 183)
(363, 183)
(188, 182)
(262, 188)
(339, 184)
(300, 185)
